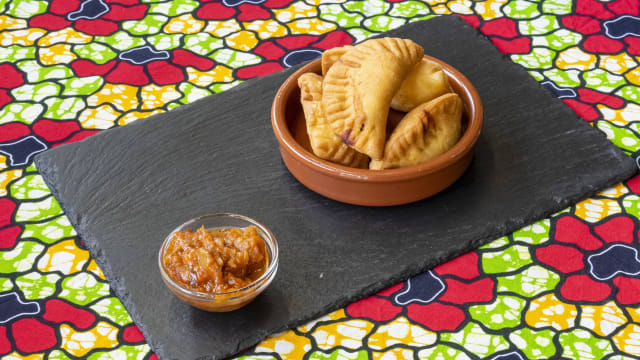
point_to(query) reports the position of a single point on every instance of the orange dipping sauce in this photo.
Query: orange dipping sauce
(216, 260)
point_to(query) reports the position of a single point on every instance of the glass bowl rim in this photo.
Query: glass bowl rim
(271, 243)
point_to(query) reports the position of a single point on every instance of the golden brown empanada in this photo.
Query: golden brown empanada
(357, 90)
(425, 82)
(324, 143)
(331, 56)
(429, 130)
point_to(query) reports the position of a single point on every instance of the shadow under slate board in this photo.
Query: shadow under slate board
(126, 188)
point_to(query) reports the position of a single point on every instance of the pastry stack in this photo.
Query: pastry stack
(346, 109)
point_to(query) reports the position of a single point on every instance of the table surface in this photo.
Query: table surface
(563, 287)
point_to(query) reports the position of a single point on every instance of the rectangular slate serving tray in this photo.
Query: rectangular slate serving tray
(125, 189)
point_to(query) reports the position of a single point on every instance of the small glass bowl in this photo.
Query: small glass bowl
(223, 301)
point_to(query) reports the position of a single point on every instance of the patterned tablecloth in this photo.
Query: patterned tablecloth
(563, 287)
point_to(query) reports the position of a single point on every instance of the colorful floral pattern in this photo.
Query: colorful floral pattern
(564, 287)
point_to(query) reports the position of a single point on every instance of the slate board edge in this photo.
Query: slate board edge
(123, 295)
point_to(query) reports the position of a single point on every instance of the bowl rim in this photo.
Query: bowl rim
(270, 272)
(464, 144)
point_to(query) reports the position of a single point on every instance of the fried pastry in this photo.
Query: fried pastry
(357, 90)
(425, 82)
(324, 143)
(331, 56)
(429, 130)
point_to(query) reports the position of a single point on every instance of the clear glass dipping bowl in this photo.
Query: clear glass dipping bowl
(222, 301)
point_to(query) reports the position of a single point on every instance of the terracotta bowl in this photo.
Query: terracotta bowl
(372, 187)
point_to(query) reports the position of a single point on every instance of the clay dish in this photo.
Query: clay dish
(372, 187)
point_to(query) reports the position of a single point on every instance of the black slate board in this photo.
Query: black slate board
(126, 188)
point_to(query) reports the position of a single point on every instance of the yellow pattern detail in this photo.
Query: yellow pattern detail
(634, 313)
(242, 40)
(185, 24)
(66, 35)
(615, 191)
(620, 117)
(123, 97)
(490, 9)
(440, 9)
(76, 343)
(347, 333)
(3, 162)
(294, 11)
(288, 345)
(155, 96)
(460, 7)
(16, 356)
(56, 54)
(222, 28)
(311, 26)
(575, 58)
(266, 28)
(21, 37)
(594, 210)
(320, 2)
(218, 74)
(393, 354)
(65, 257)
(603, 319)
(632, 76)
(93, 267)
(617, 64)
(338, 314)
(401, 331)
(101, 117)
(548, 310)
(435, 2)
(628, 339)
(6, 177)
(10, 23)
(135, 115)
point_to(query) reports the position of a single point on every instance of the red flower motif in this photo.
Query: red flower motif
(503, 27)
(634, 184)
(602, 44)
(634, 45)
(250, 12)
(6, 211)
(30, 335)
(10, 77)
(132, 334)
(433, 299)
(520, 45)
(5, 344)
(215, 11)
(13, 131)
(49, 21)
(106, 23)
(596, 259)
(269, 51)
(594, 97)
(54, 130)
(582, 24)
(80, 135)
(162, 68)
(9, 236)
(4, 98)
(378, 309)
(585, 111)
(58, 311)
(604, 27)
(278, 53)
(593, 8)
